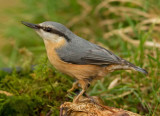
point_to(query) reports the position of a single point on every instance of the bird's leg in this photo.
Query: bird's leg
(83, 84)
(74, 86)
(105, 107)
(77, 97)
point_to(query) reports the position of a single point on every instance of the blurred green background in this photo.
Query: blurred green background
(128, 28)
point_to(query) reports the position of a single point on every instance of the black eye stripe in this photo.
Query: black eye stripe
(49, 29)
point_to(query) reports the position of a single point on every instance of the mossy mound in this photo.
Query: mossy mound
(34, 92)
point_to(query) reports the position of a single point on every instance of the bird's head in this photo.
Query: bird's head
(51, 31)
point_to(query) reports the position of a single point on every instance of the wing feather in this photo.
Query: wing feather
(101, 56)
(80, 51)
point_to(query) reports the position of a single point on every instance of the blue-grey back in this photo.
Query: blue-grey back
(81, 51)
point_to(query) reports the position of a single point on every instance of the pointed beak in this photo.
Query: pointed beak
(33, 26)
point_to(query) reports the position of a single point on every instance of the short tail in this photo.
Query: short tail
(141, 70)
(135, 67)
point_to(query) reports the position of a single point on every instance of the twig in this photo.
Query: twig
(121, 33)
(113, 83)
(83, 15)
(121, 95)
(150, 21)
(6, 93)
(121, 9)
(116, 31)
(49, 113)
(137, 42)
(106, 2)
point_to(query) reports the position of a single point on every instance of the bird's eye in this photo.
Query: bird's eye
(48, 29)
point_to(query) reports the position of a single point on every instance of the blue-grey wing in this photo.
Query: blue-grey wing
(87, 53)
(101, 56)
(81, 51)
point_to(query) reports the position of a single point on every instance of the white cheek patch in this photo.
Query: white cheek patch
(49, 36)
(56, 38)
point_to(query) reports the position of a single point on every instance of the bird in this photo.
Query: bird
(77, 57)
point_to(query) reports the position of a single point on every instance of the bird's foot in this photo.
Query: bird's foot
(83, 84)
(76, 100)
(99, 103)
(74, 86)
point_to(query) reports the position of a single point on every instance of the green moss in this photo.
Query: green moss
(19, 106)
(34, 93)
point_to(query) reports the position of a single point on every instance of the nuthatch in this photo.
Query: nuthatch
(78, 57)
